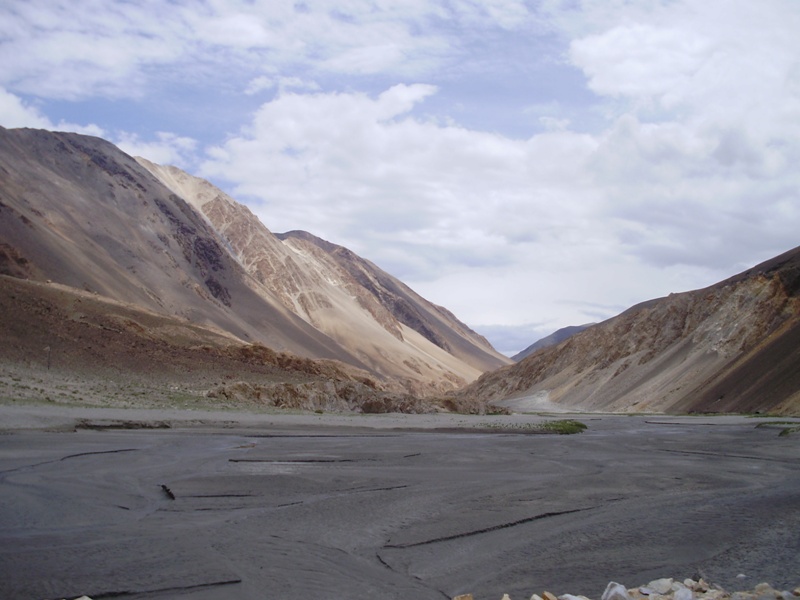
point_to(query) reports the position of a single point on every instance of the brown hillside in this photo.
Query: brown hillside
(732, 347)
(63, 345)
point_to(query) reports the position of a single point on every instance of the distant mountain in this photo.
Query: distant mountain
(76, 211)
(731, 347)
(554, 338)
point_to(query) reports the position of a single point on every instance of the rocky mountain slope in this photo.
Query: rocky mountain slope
(732, 347)
(386, 325)
(78, 212)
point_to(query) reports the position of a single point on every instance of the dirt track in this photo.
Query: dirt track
(295, 508)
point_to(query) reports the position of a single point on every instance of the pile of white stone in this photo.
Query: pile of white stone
(669, 589)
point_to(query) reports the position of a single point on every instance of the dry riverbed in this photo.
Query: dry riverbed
(204, 505)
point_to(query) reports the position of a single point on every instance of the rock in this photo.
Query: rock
(766, 592)
(683, 593)
(718, 594)
(661, 586)
(616, 591)
(668, 589)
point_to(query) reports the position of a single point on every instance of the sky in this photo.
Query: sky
(528, 165)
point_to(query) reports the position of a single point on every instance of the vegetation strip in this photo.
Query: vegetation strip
(561, 427)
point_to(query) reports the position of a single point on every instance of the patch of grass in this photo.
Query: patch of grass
(564, 426)
(561, 427)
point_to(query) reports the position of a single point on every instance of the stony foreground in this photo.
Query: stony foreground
(669, 589)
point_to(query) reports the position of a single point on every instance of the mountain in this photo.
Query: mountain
(731, 347)
(392, 330)
(554, 338)
(78, 213)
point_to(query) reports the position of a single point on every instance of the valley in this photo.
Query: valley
(129, 283)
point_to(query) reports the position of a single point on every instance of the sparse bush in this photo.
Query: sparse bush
(564, 426)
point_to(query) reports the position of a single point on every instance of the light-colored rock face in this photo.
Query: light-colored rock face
(730, 347)
(391, 330)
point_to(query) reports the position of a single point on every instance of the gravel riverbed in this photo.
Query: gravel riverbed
(208, 506)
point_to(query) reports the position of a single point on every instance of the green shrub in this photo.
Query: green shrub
(564, 426)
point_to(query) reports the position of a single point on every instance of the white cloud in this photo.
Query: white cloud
(358, 159)
(715, 63)
(507, 14)
(167, 149)
(68, 50)
(59, 49)
(639, 60)
(283, 84)
(14, 112)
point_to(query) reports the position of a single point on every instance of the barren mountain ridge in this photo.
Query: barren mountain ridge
(77, 212)
(731, 347)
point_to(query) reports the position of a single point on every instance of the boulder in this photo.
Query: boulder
(661, 586)
(616, 591)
